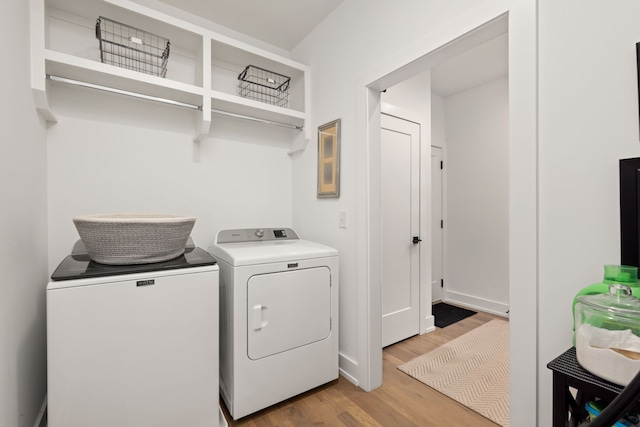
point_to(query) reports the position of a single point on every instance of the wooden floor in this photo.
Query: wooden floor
(401, 401)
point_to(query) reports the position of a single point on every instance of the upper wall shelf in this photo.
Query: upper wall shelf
(202, 71)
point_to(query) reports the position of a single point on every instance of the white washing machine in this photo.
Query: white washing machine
(133, 345)
(278, 316)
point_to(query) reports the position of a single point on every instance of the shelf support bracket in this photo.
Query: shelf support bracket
(203, 125)
(204, 121)
(38, 75)
(300, 144)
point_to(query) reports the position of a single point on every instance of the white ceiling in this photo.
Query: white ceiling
(281, 23)
(477, 66)
(285, 23)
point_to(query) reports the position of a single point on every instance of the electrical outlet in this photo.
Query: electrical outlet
(342, 219)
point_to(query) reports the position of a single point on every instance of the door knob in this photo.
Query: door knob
(416, 240)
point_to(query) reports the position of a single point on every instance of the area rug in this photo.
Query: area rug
(446, 314)
(472, 369)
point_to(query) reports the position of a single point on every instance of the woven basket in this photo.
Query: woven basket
(120, 239)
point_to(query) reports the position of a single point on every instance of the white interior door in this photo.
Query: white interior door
(436, 224)
(400, 222)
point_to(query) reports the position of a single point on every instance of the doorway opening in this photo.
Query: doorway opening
(485, 23)
(462, 105)
(482, 33)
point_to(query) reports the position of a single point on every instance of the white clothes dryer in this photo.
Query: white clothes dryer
(278, 316)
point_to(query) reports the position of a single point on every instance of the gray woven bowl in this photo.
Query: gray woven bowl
(120, 239)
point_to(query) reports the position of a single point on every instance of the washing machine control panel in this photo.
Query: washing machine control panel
(280, 234)
(256, 235)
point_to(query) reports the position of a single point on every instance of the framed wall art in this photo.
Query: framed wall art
(329, 159)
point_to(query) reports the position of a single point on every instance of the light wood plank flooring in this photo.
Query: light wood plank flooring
(401, 401)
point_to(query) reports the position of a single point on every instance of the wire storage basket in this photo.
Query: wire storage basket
(264, 86)
(131, 48)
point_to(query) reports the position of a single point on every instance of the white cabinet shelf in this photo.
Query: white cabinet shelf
(72, 67)
(238, 105)
(202, 71)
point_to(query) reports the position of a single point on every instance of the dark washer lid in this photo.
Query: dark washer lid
(78, 265)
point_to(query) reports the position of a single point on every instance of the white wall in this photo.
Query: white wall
(477, 197)
(23, 229)
(438, 122)
(114, 154)
(588, 121)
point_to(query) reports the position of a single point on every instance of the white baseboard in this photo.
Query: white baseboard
(41, 419)
(477, 304)
(348, 368)
(428, 324)
(426, 331)
(222, 421)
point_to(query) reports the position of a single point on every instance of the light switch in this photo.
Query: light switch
(342, 219)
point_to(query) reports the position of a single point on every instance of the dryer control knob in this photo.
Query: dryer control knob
(260, 233)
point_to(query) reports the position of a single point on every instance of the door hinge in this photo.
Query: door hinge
(442, 223)
(442, 283)
(441, 164)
